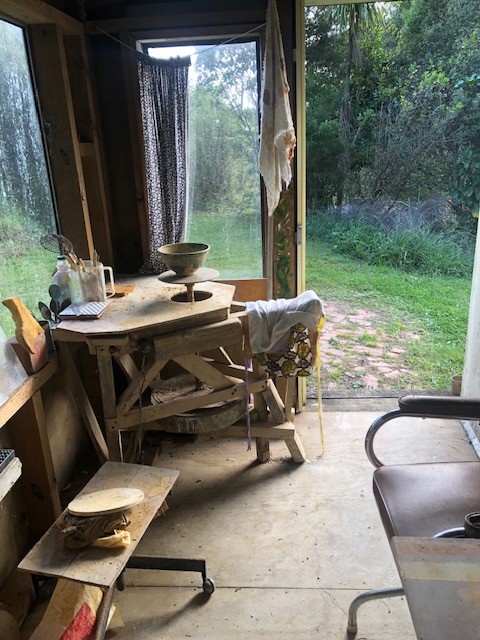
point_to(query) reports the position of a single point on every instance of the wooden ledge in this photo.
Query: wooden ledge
(26, 390)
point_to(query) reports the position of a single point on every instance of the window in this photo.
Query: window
(26, 206)
(224, 199)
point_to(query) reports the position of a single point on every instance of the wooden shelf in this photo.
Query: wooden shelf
(26, 390)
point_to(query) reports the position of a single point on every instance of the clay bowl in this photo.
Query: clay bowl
(184, 257)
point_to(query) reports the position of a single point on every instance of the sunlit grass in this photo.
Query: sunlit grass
(27, 277)
(433, 307)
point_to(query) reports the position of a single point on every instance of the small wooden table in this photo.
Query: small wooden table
(103, 567)
(441, 579)
(145, 331)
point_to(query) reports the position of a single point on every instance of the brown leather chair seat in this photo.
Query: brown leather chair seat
(427, 498)
(421, 499)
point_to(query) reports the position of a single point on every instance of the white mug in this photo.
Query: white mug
(92, 281)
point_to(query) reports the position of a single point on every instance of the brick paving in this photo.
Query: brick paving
(357, 351)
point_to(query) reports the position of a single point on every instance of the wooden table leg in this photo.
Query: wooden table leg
(109, 402)
(103, 613)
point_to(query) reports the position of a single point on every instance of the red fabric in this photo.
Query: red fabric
(82, 625)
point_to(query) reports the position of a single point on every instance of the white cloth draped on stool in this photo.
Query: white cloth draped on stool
(270, 320)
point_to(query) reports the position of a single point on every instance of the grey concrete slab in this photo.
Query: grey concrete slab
(288, 545)
(270, 614)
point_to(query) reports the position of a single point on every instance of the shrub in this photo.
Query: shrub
(448, 251)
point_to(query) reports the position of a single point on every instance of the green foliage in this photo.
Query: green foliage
(23, 172)
(223, 140)
(399, 119)
(416, 249)
(433, 307)
(235, 243)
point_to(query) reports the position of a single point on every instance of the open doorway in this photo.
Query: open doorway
(393, 152)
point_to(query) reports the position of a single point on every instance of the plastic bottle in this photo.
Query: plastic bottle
(64, 279)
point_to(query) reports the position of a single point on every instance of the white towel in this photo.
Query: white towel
(269, 320)
(277, 135)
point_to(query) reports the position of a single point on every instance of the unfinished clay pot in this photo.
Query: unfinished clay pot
(184, 257)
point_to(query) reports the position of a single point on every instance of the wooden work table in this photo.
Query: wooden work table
(146, 330)
(441, 579)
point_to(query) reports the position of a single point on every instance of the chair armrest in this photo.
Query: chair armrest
(447, 407)
(440, 406)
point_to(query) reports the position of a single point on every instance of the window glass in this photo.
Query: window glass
(224, 201)
(26, 207)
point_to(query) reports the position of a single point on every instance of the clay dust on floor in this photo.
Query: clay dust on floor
(358, 352)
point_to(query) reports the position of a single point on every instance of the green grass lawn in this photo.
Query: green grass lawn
(235, 243)
(434, 307)
(28, 278)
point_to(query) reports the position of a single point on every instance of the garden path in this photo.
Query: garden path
(360, 351)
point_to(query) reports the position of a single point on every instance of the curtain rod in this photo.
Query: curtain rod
(199, 53)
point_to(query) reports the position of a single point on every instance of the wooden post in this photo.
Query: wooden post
(60, 128)
(30, 440)
(109, 401)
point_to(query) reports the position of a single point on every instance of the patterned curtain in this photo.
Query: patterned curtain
(163, 98)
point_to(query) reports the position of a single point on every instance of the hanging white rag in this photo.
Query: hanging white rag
(277, 135)
(269, 320)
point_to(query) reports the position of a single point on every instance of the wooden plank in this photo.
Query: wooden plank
(38, 12)
(82, 98)
(83, 403)
(58, 117)
(275, 403)
(234, 370)
(157, 412)
(26, 390)
(295, 447)
(262, 446)
(267, 431)
(258, 430)
(109, 401)
(101, 567)
(289, 397)
(9, 476)
(149, 311)
(197, 339)
(217, 355)
(203, 371)
(30, 441)
(126, 363)
(132, 99)
(138, 385)
(169, 20)
(249, 290)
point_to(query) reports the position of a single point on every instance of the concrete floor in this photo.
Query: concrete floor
(288, 545)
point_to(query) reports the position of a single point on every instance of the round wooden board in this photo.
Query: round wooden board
(105, 501)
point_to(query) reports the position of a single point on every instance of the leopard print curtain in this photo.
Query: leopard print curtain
(164, 107)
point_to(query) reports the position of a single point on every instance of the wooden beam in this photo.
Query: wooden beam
(89, 147)
(58, 117)
(26, 390)
(30, 12)
(83, 403)
(29, 434)
(169, 20)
